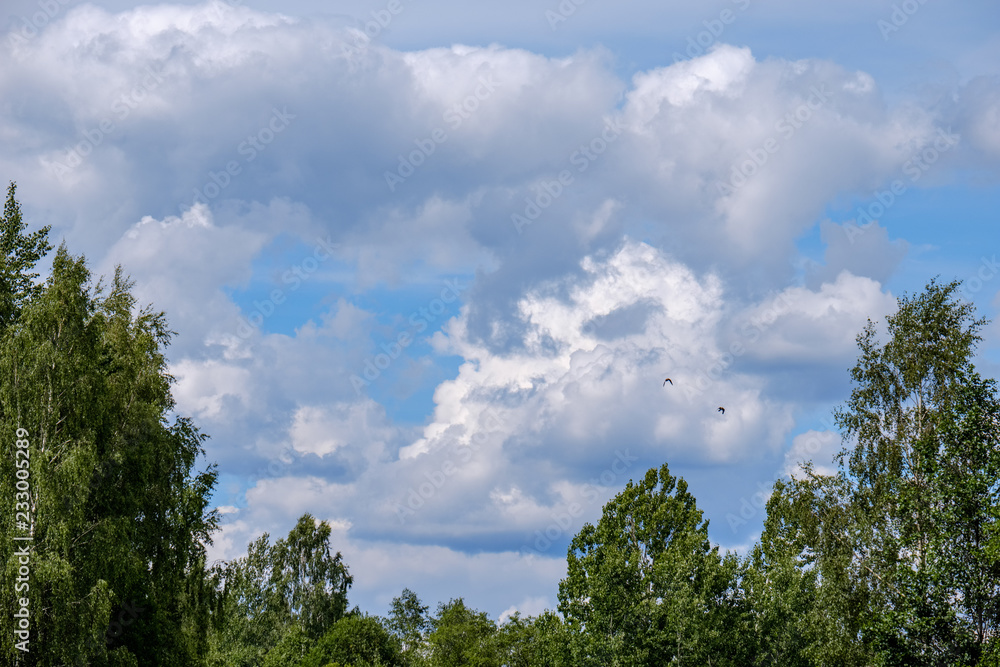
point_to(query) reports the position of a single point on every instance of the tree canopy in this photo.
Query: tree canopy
(120, 516)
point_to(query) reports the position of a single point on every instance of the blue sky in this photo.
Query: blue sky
(429, 272)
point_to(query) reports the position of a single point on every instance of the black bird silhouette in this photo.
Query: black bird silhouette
(666, 381)
(722, 410)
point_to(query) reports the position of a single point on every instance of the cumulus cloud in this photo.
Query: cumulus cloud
(517, 441)
(205, 390)
(977, 113)
(172, 77)
(813, 326)
(763, 145)
(182, 264)
(591, 358)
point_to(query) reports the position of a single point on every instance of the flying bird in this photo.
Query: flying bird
(666, 381)
(722, 410)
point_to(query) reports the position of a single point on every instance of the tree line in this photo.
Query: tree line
(892, 560)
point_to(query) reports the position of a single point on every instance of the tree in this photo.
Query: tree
(964, 476)
(356, 640)
(541, 641)
(409, 622)
(291, 649)
(295, 582)
(312, 583)
(120, 517)
(251, 619)
(461, 636)
(793, 619)
(18, 255)
(644, 586)
(923, 478)
(899, 536)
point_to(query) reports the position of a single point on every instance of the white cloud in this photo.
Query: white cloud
(807, 326)
(322, 430)
(382, 569)
(206, 389)
(596, 348)
(686, 127)
(181, 264)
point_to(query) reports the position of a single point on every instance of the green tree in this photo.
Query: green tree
(290, 649)
(297, 581)
(361, 641)
(18, 255)
(120, 516)
(409, 621)
(311, 581)
(541, 641)
(921, 482)
(964, 476)
(813, 514)
(645, 587)
(251, 619)
(461, 636)
(789, 621)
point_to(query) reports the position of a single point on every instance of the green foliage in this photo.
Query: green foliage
(795, 620)
(18, 255)
(409, 622)
(251, 619)
(888, 562)
(644, 586)
(461, 636)
(295, 582)
(361, 641)
(120, 517)
(921, 483)
(292, 648)
(541, 641)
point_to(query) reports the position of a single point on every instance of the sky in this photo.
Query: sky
(429, 263)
